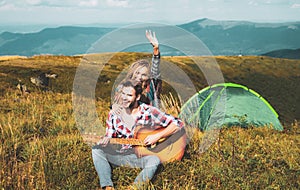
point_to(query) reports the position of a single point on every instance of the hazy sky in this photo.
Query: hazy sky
(132, 11)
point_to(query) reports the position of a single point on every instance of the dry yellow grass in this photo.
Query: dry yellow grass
(41, 146)
(10, 57)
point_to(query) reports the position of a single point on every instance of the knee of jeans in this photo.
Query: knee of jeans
(153, 161)
(97, 153)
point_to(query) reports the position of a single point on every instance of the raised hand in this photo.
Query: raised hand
(152, 38)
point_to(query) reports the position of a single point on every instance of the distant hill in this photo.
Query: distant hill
(66, 40)
(221, 38)
(247, 38)
(284, 53)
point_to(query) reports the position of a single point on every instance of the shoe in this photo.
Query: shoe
(106, 188)
(109, 188)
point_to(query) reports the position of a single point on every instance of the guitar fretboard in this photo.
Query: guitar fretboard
(127, 141)
(89, 138)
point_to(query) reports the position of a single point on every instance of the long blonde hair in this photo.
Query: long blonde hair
(129, 76)
(134, 66)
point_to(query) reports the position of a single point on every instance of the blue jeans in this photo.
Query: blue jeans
(102, 160)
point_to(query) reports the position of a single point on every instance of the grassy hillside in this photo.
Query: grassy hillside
(41, 147)
(275, 79)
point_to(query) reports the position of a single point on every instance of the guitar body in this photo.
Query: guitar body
(168, 149)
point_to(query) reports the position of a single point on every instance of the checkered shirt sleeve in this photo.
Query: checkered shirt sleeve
(152, 116)
(155, 71)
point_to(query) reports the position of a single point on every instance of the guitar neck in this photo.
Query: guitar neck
(95, 139)
(136, 142)
(141, 134)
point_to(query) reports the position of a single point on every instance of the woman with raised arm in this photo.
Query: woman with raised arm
(148, 75)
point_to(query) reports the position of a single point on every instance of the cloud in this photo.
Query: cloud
(58, 3)
(89, 3)
(254, 3)
(268, 2)
(33, 2)
(46, 3)
(296, 6)
(4, 6)
(117, 3)
(74, 4)
(2, 2)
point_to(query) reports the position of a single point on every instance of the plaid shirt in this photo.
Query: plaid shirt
(147, 116)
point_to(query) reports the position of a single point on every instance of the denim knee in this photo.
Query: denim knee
(98, 154)
(152, 161)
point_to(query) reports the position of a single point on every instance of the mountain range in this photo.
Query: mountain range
(220, 37)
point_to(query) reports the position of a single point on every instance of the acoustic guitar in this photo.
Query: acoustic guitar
(167, 149)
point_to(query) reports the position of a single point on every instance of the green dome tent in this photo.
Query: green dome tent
(228, 104)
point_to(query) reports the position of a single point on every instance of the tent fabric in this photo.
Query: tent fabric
(228, 104)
